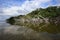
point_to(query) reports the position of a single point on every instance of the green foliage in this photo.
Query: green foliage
(49, 12)
(20, 16)
(11, 20)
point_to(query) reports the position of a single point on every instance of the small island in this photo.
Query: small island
(40, 20)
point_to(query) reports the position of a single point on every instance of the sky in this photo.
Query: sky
(22, 7)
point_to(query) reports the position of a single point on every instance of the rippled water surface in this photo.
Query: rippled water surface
(14, 32)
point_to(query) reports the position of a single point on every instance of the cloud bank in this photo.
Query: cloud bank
(27, 6)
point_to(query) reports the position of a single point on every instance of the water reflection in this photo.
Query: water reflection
(14, 32)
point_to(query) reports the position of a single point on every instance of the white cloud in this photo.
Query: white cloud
(25, 8)
(31, 5)
(10, 11)
(14, 10)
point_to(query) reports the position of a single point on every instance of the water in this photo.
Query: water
(14, 32)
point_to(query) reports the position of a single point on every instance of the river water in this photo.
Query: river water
(14, 32)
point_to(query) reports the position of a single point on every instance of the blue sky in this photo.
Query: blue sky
(21, 7)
